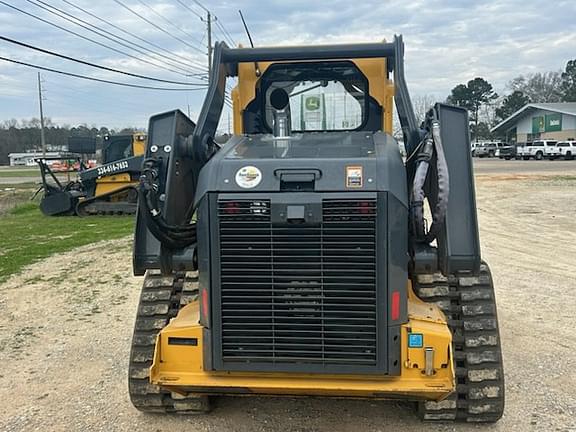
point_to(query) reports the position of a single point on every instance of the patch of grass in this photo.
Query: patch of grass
(10, 198)
(12, 187)
(29, 236)
(565, 178)
(23, 209)
(20, 173)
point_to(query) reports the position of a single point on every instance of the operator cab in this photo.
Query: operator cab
(309, 110)
(117, 147)
(318, 97)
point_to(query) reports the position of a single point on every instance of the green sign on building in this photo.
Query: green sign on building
(553, 122)
(547, 123)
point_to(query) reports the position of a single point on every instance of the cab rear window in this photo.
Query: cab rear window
(322, 97)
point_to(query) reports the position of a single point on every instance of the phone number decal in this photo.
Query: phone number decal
(112, 168)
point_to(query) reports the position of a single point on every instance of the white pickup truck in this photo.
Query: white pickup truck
(566, 149)
(538, 150)
(486, 149)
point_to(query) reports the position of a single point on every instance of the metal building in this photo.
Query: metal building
(27, 159)
(553, 121)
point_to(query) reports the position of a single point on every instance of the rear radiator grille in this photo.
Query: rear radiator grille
(298, 293)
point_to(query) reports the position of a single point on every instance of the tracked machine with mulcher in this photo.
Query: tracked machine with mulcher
(108, 189)
(296, 260)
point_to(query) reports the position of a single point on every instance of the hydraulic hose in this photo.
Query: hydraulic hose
(418, 194)
(439, 210)
(430, 146)
(171, 236)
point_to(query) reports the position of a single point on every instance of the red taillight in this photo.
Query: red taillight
(395, 308)
(366, 207)
(204, 309)
(232, 207)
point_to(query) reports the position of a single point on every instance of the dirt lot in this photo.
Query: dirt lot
(494, 166)
(65, 328)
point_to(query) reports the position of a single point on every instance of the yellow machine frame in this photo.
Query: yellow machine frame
(180, 368)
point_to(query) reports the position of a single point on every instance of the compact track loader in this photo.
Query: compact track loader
(107, 189)
(296, 259)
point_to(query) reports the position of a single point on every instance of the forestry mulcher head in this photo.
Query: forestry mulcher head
(295, 259)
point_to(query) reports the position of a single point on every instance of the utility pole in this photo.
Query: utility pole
(42, 136)
(209, 20)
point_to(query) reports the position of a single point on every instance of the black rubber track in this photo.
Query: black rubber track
(469, 304)
(98, 206)
(160, 300)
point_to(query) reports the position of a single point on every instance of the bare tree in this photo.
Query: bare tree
(487, 112)
(421, 105)
(7, 124)
(569, 82)
(539, 87)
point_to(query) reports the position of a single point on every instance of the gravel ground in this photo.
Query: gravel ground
(499, 166)
(66, 323)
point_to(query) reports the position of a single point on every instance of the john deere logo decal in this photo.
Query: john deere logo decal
(248, 177)
(312, 103)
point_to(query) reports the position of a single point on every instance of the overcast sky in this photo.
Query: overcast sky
(447, 42)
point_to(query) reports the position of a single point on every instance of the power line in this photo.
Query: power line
(220, 35)
(151, 9)
(97, 30)
(111, 104)
(225, 33)
(201, 5)
(188, 8)
(87, 38)
(100, 32)
(175, 55)
(158, 27)
(116, 102)
(219, 23)
(95, 65)
(97, 79)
